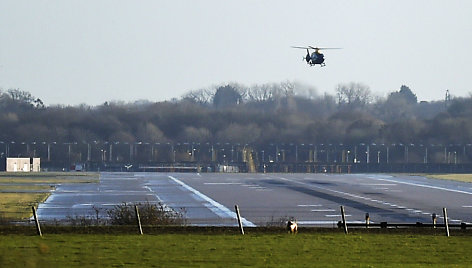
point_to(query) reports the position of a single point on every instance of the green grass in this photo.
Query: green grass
(231, 250)
(48, 177)
(454, 177)
(15, 204)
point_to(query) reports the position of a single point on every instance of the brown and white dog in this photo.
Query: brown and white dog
(292, 227)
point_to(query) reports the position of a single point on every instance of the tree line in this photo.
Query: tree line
(264, 114)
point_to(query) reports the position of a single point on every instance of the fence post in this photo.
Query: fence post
(367, 220)
(344, 219)
(446, 223)
(239, 219)
(138, 219)
(36, 220)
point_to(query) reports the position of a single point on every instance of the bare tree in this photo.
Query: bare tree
(200, 96)
(353, 95)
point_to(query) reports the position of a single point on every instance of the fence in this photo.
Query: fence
(341, 224)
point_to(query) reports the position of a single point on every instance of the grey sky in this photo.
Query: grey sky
(72, 52)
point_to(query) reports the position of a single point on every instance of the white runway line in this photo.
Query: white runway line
(420, 185)
(416, 211)
(323, 210)
(378, 184)
(309, 205)
(222, 183)
(324, 222)
(214, 206)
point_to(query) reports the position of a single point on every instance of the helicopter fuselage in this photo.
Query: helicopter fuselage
(315, 58)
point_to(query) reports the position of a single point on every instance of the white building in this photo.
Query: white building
(23, 164)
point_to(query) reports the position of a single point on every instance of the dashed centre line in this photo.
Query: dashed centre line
(323, 210)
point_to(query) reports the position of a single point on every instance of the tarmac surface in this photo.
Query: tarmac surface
(263, 199)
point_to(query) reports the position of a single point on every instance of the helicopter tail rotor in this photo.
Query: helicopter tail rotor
(307, 57)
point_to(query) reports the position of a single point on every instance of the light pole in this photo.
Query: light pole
(355, 154)
(276, 153)
(406, 153)
(387, 154)
(232, 153)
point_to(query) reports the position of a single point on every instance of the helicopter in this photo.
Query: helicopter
(315, 57)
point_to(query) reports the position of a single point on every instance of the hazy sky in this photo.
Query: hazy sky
(72, 52)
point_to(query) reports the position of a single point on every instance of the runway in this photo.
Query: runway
(312, 199)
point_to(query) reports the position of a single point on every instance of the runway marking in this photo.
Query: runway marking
(152, 191)
(467, 206)
(337, 215)
(351, 195)
(324, 222)
(222, 183)
(421, 185)
(378, 184)
(309, 205)
(323, 210)
(214, 206)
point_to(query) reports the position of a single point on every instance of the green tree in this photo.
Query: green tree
(227, 96)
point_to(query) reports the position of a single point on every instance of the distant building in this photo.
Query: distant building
(228, 169)
(23, 164)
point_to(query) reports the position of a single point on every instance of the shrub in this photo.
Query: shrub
(150, 214)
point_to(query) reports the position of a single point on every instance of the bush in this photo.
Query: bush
(150, 214)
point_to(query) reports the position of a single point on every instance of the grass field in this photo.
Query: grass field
(231, 250)
(454, 177)
(20, 191)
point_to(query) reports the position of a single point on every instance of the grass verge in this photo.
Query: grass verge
(17, 206)
(20, 191)
(453, 177)
(324, 249)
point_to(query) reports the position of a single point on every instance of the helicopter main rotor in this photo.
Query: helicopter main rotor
(316, 57)
(316, 48)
